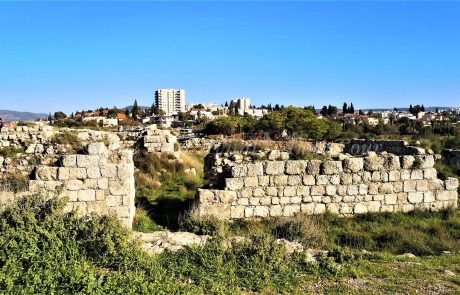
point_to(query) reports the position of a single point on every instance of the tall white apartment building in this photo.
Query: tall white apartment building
(170, 100)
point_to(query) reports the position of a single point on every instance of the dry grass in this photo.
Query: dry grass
(14, 182)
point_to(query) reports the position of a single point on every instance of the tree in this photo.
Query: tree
(422, 108)
(345, 108)
(59, 116)
(351, 109)
(360, 112)
(323, 111)
(411, 109)
(226, 104)
(135, 110)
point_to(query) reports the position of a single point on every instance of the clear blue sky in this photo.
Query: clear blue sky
(67, 56)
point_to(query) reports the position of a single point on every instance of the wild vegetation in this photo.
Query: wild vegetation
(47, 251)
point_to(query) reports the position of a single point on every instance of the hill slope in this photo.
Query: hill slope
(9, 116)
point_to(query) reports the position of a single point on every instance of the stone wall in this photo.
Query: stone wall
(100, 181)
(398, 147)
(352, 185)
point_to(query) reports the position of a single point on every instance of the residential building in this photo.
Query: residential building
(171, 101)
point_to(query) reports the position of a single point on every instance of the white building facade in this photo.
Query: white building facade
(171, 101)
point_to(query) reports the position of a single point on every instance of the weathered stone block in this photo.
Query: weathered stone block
(46, 173)
(331, 167)
(373, 163)
(117, 187)
(294, 180)
(251, 181)
(280, 180)
(360, 208)
(63, 173)
(73, 185)
(234, 183)
(290, 210)
(309, 180)
(276, 210)
(69, 161)
(290, 191)
(451, 183)
(313, 167)
(295, 167)
(415, 197)
(275, 167)
(85, 161)
(391, 199)
(407, 162)
(331, 190)
(353, 165)
(86, 195)
(430, 173)
(318, 190)
(416, 174)
(237, 212)
(97, 148)
(261, 211)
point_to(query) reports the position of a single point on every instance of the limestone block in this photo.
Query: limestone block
(69, 160)
(237, 211)
(415, 197)
(422, 185)
(248, 212)
(451, 183)
(123, 171)
(309, 180)
(362, 189)
(63, 173)
(353, 165)
(407, 162)
(376, 176)
(100, 195)
(397, 186)
(234, 183)
(274, 155)
(320, 209)
(409, 186)
(313, 167)
(90, 183)
(295, 167)
(405, 174)
(373, 206)
(318, 190)
(227, 197)
(73, 184)
(291, 210)
(261, 211)
(243, 201)
(290, 191)
(322, 179)
(52, 186)
(336, 199)
(435, 184)
(352, 190)
(346, 178)
(86, 195)
(296, 200)
(284, 156)
(276, 210)
(307, 199)
(77, 173)
(416, 174)
(275, 168)
(103, 183)
(392, 162)
(254, 201)
(342, 190)
(255, 169)
(109, 171)
(36, 185)
(373, 188)
(98, 207)
(46, 173)
(71, 195)
(118, 187)
(85, 161)
(373, 163)
(428, 197)
(424, 161)
(251, 181)
(265, 201)
(430, 173)
(275, 200)
(238, 171)
(356, 178)
(360, 208)
(285, 200)
(258, 192)
(294, 180)
(346, 209)
(387, 208)
(97, 148)
(394, 175)
(331, 167)
(271, 191)
(446, 195)
(333, 208)
(94, 172)
(391, 199)
(280, 180)
(264, 180)
(334, 179)
(331, 190)
(386, 188)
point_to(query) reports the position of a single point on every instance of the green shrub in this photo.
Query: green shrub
(69, 139)
(9, 152)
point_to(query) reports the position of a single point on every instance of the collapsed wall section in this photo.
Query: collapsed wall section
(353, 185)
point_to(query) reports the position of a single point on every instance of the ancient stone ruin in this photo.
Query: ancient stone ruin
(345, 186)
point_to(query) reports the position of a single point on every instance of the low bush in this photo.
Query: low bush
(9, 152)
(69, 139)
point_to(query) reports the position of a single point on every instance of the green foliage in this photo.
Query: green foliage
(9, 152)
(46, 251)
(67, 138)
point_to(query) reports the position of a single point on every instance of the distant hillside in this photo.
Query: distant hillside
(9, 116)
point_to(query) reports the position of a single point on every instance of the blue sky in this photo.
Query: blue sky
(70, 55)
